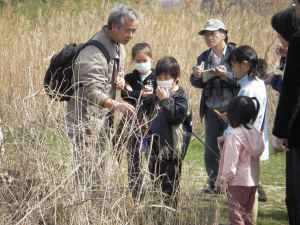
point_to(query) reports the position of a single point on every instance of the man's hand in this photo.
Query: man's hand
(220, 71)
(198, 70)
(120, 83)
(279, 144)
(161, 94)
(123, 107)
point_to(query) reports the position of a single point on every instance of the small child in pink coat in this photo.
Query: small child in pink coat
(239, 163)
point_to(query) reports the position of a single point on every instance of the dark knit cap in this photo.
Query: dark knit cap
(286, 23)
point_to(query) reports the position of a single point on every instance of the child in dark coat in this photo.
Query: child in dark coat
(166, 130)
(138, 91)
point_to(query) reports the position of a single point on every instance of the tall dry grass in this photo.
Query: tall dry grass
(40, 192)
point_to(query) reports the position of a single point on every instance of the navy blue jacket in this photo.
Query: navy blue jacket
(198, 82)
(132, 97)
(172, 114)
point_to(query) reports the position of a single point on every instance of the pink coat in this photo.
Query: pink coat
(240, 152)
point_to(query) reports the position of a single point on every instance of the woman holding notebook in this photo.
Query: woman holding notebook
(214, 77)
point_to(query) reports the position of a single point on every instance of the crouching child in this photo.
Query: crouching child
(166, 130)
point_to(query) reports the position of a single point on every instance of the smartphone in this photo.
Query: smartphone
(217, 112)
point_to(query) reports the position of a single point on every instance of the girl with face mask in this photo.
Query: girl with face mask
(140, 82)
(138, 91)
(166, 129)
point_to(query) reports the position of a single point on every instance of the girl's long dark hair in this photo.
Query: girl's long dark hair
(258, 66)
(242, 111)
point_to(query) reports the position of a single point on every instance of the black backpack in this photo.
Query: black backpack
(58, 77)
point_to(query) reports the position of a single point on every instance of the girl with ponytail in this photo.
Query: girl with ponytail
(247, 69)
(246, 61)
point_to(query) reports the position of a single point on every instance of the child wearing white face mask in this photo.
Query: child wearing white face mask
(140, 83)
(138, 91)
(166, 129)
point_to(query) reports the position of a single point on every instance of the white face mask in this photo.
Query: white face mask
(143, 68)
(167, 85)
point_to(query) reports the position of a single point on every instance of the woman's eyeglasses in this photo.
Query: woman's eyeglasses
(295, 2)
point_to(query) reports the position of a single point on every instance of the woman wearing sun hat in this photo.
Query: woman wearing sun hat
(212, 74)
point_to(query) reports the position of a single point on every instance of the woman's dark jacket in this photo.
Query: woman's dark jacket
(228, 84)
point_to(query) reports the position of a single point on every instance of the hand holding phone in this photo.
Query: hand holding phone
(222, 116)
(220, 71)
(198, 70)
(147, 90)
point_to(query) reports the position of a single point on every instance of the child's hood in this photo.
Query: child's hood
(253, 141)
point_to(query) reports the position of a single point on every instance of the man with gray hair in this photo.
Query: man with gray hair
(98, 74)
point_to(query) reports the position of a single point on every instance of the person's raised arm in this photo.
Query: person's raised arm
(196, 76)
(176, 107)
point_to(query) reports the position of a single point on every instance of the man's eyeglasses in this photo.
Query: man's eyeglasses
(295, 2)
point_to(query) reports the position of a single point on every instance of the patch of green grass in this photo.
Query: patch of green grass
(273, 170)
(195, 152)
(273, 212)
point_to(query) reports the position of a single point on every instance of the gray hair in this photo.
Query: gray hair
(119, 13)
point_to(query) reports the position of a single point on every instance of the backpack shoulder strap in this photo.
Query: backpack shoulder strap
(100, 46)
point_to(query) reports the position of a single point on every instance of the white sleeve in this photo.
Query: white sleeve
(244, 92)
(261, 95)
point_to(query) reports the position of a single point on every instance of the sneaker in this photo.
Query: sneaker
(262, 196)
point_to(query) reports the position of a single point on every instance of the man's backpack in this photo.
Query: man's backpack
(58, 77)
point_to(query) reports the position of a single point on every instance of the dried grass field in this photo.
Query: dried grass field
(35, 169)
